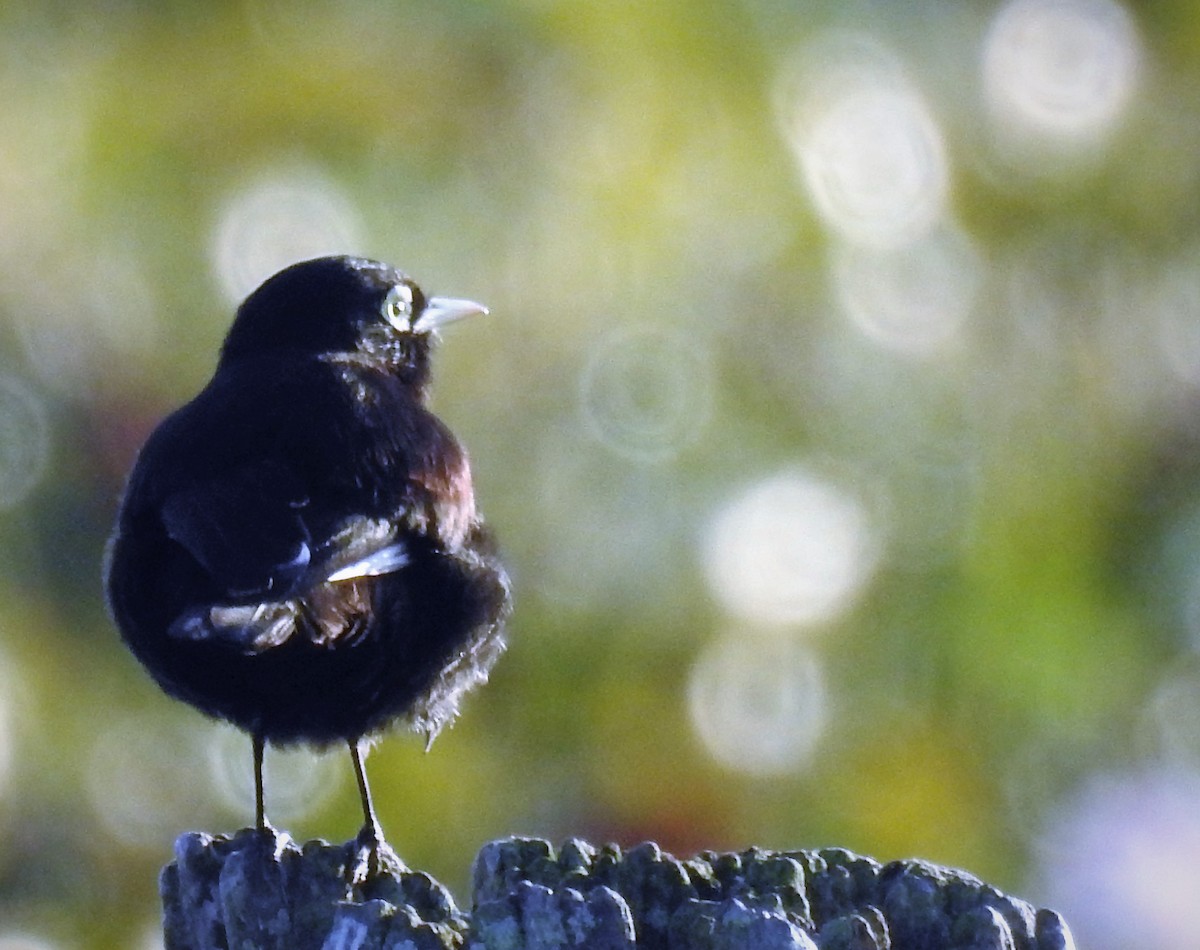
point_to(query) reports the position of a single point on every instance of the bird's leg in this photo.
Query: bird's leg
(371, 836)
(377, 859)
(260, 817)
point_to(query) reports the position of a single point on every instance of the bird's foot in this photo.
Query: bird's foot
(374, 856)
(265, 829)
(263, 839)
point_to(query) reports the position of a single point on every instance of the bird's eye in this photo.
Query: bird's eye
(398, 307)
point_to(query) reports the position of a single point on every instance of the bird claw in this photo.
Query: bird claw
(374, 856)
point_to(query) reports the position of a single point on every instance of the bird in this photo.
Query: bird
(297, 550)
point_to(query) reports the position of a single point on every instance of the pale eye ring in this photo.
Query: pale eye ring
(398, 307)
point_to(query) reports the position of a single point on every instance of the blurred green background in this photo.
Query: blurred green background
(837, 414)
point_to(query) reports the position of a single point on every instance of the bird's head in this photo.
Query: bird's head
(344, 306)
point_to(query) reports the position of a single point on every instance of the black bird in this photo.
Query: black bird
(298, 550)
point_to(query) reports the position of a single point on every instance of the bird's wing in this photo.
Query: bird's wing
(360, 547)
(245, 529)
(276, 577)
(385, 560)
(255, 538)
(267, 493)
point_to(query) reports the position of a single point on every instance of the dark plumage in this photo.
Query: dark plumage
(298, 550)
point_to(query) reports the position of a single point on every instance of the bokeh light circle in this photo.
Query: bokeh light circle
(914, 299)
(1061, 68)
(647, 392)
(278, 219)
(876, 168)
(791, 549)
(296, 782)
(84, 312)
(1172, 719)
(869, 149)
(758, 703)
(146, 779)
(1119, 860)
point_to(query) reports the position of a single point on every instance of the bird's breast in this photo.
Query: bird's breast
(412, 456)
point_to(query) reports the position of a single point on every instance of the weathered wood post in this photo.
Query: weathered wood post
(261, 890)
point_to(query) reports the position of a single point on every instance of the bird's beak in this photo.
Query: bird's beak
(442, 310)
